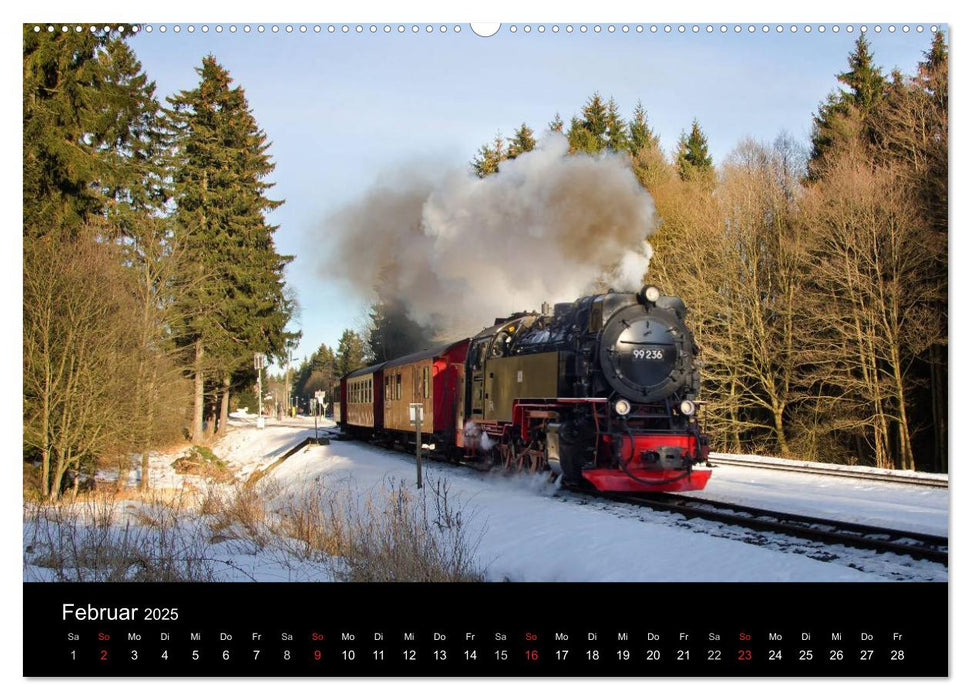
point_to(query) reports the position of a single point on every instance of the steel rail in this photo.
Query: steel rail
(918, 545)
(824, 470)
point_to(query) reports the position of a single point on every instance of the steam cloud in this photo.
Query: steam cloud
(463, 250)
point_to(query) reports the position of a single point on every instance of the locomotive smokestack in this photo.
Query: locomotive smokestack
(545, 309)
(458, 249)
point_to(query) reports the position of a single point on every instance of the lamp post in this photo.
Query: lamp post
(259, 362)
(319, 398)
(287, 381)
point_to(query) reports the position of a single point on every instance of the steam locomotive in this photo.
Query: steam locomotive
(601, 390)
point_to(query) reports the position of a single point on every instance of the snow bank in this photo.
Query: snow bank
(528, 534)
(884, 504)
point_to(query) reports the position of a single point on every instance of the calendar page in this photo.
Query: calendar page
(520, 349)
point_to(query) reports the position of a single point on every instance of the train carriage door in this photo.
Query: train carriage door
(388, 398)
(438, 380)
(477, 385)
(459, 394)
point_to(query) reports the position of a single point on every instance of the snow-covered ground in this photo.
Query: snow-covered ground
(532, 532)
(527, 529)
(844, 469)
(885, 504)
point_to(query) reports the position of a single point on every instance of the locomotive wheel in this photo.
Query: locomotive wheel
(505, 453)
(514, 457)
(514, 460)
(536, 454)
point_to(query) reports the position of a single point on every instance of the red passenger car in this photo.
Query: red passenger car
(377, 398)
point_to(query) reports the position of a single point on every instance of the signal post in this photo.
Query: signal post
(416, 413)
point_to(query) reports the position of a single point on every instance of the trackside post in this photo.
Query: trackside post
(416, 413)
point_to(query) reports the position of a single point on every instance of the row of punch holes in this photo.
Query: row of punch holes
(485, 29)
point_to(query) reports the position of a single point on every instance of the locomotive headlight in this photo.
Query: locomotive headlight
(651, 293)
(687, 407)
(622, 406)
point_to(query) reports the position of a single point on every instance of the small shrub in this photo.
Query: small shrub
(200, 461)
(404, 537)
(33, 482)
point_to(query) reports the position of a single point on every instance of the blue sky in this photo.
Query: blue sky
(345, 109)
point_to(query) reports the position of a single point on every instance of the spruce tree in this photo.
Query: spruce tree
(350, 353)
(693, 160)
(61, 103)
(237, 304)
(486, 162)
(580, 139)
(136, 192)
(589, 133)
(864, 80)
(932, 72)
(595, 119)
(393, 333)
(556, 124)
(135, 180)
(843, 117)
(616, 136)
(910, 125)
(522, 142)
(932, 77)
(317, 373)
(639, 134)
(92, 144)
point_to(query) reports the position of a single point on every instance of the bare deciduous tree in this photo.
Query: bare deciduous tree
(872, 298)
(757, 200)
(77, 344)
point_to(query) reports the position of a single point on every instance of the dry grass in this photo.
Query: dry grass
(316, 527)
(400, 536)
(96, 540)
(392, 535)
(239, 513)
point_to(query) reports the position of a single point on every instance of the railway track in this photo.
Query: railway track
(918, 545)
(915, 544)
(867, 473)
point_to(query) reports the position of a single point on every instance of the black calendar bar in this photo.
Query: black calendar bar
(431, 630)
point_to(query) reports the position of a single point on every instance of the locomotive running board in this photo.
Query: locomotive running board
(648, 480)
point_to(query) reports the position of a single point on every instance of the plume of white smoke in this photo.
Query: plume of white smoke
(461, 251)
